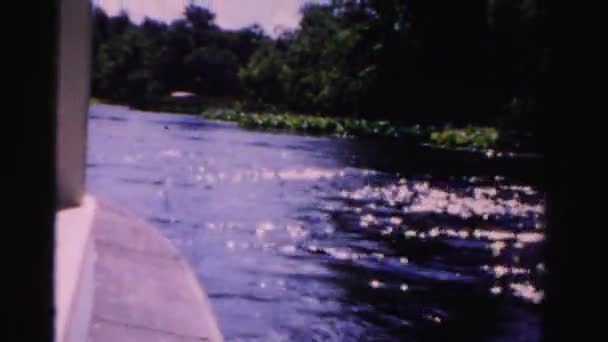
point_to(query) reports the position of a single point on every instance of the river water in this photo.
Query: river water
(300, 238)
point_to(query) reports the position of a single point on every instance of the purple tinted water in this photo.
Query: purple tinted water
(300, 239)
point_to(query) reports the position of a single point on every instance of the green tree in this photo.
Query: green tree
(262, 78)
(415, 61)
(213, 71)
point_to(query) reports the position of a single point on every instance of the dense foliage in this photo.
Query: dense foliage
(142, 64)
(409, 61)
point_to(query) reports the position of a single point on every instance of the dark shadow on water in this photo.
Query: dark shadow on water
(108, 118)
(411, 160)
(447, 294)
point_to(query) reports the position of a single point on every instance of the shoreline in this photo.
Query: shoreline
(468, 159)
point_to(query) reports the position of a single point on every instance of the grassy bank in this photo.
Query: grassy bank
(468, 137)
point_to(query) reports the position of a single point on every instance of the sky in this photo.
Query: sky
(231, 14)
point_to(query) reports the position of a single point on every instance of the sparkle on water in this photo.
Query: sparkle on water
(528, 292)
(314, 246)
(375, 284)
(496, 290)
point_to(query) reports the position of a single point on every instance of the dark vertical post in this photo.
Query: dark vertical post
(29, 75)
(572, 101)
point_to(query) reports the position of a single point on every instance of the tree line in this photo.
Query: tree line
(412, 61)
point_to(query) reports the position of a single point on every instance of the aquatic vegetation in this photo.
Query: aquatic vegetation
(476, 137)
(222, 114)
(315, 125)
(468, 137)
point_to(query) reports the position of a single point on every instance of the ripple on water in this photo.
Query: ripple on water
(500, 218)
(346, 254)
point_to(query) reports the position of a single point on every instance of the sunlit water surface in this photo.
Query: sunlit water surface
(303, 239)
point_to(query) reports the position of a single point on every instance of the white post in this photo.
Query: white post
(73, 99)
(74, 249)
